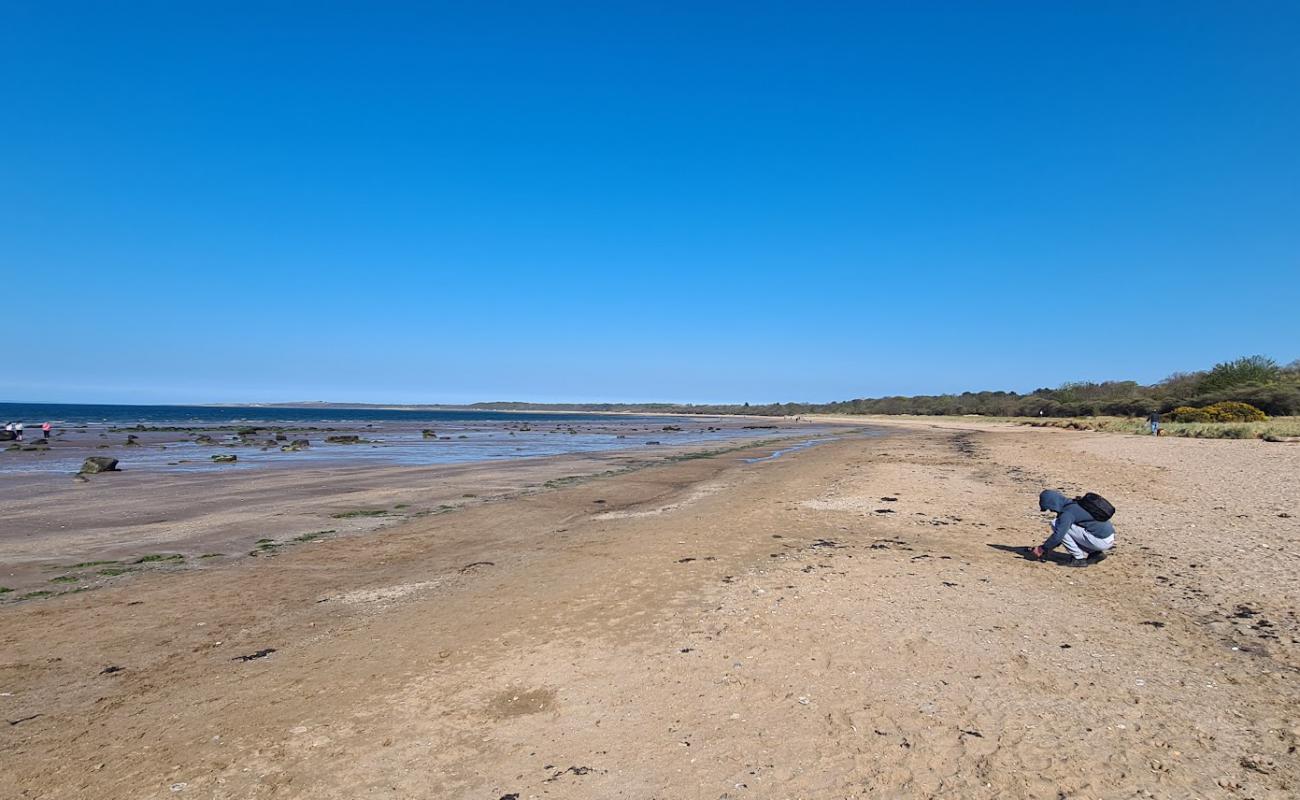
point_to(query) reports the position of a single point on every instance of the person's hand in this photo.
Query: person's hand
(1036, 551)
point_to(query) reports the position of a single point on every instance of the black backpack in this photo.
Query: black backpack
(1098, 507)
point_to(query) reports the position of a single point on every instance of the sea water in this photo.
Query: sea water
(390, 436)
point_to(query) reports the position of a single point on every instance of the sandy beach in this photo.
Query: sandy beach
(847, 620)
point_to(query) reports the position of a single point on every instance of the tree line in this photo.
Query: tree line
(1257, 380)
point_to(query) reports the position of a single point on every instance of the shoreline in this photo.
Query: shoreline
(848, 618)
(188, 445)
(92, 535)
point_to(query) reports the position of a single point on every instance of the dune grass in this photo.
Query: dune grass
(1276, 428)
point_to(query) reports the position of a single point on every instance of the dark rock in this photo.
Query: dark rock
(225, 458)
(574, 771)
(295, 446)
(96, 464)
(343, 439)
(203, 438)
(254, 656)
(429, 433)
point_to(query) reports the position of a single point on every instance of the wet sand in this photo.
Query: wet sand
(63, 535)
(708, 628)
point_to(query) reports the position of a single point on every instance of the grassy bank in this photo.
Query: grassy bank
(1275, 428)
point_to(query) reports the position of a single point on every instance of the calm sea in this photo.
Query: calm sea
(387, 436)
(70, 414)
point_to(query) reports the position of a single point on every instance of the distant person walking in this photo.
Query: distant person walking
(1154, 419)
(45, 430)
(18, 428)
(1082, 525)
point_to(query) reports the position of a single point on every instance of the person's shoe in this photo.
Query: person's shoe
(1078, 562)
(1098, 557)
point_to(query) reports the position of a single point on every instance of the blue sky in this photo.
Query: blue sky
(691, 202)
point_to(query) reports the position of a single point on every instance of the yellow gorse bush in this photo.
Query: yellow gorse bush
(1227, 411)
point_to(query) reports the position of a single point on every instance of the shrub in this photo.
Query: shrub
(1227, 411)
(1232, 411)
(1129, 407)
(1189, 414)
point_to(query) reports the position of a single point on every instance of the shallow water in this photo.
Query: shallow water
(792, 448)
(391, 437)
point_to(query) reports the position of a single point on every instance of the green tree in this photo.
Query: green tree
(1243, 371)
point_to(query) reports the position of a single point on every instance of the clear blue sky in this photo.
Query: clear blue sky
(617, 201)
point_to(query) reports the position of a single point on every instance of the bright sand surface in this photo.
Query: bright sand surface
(706, 628)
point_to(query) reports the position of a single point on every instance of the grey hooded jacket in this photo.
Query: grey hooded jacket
(1070, 513)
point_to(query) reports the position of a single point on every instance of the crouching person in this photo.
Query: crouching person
(1082, 526)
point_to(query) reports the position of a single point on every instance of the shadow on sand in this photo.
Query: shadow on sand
(1023, 552)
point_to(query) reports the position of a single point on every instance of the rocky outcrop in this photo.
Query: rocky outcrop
(295, 446)
(225, 458)
(343, 439)
(95, 464)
